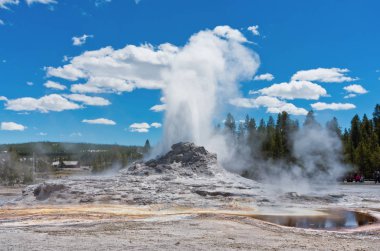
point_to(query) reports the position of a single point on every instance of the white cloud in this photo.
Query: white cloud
(101, 2)
(254, 29)
(351, 95)
(229, 33)
(100, 121)
(76, 134)
(2, 98)
(357, 89)
(4, 3)
(66, 58)
(30, 2)
(295, 90)
(139, 127)
(326, 75)
(11, 126)
(143, 127)
(273, 105)
(264, 77)
(54, 85)
(332, 106)
(158, 108)
(53, 102)
(77, 41)
(2, 22)
(68, 72)
(29, 83)
(42, 134)
(156, 125)
(103, 85)
(88, 100)
(137, 1)
(110, 70)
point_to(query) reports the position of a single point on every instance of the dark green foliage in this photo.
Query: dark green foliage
(362, 145)
(272, 141)
(14, 170)
(40, 155)
(147, 147)
(230, 124)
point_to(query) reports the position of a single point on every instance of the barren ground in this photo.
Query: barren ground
(182, 201)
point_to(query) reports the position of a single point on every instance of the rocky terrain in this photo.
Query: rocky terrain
(187, 175)
(182, 200)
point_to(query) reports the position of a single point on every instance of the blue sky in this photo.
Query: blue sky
(332, 45)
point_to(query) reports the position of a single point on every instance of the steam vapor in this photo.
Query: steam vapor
(203, 76)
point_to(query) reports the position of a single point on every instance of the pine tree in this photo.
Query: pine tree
(147, 146)
(355, 131)
(230, 124)
(333, 126)
(310, 120)
(376, 121)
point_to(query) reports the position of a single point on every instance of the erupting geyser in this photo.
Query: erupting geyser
(203, 76)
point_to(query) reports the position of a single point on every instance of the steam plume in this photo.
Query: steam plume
(203, 76)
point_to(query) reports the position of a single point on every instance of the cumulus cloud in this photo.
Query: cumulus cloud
(295, 90)
(228, 33)
(158, 108)
(143, 127)
(319, 106)
(54, 85)
(12, 126)
(53, 102)
(103, 85)
(78, 41)
(68, 72)
(2, 98)
(101, 2)
(326, 75)
(30, 2)
(273, 105)
(100, 121)
(357, 89)
(350, 95)
(110, 70)
(139, 127)
(4, 4)
(88, 100)
(76, 134)
(254, 29)
(264, 77)
(156, 125)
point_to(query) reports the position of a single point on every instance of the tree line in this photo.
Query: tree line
(22, 163)
(273, 139)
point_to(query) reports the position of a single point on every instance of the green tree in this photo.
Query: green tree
(355, 131)
(333, 126)
(229, 123)
(147, 146)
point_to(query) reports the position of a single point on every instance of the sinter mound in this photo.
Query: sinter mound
(184, 159)
(187, 175)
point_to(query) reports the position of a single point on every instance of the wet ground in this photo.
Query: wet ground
(331, 219)
(347, 221)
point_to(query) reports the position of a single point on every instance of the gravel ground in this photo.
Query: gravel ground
(190, 233)
(181, 201)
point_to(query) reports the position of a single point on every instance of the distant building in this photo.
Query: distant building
(65, 164)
